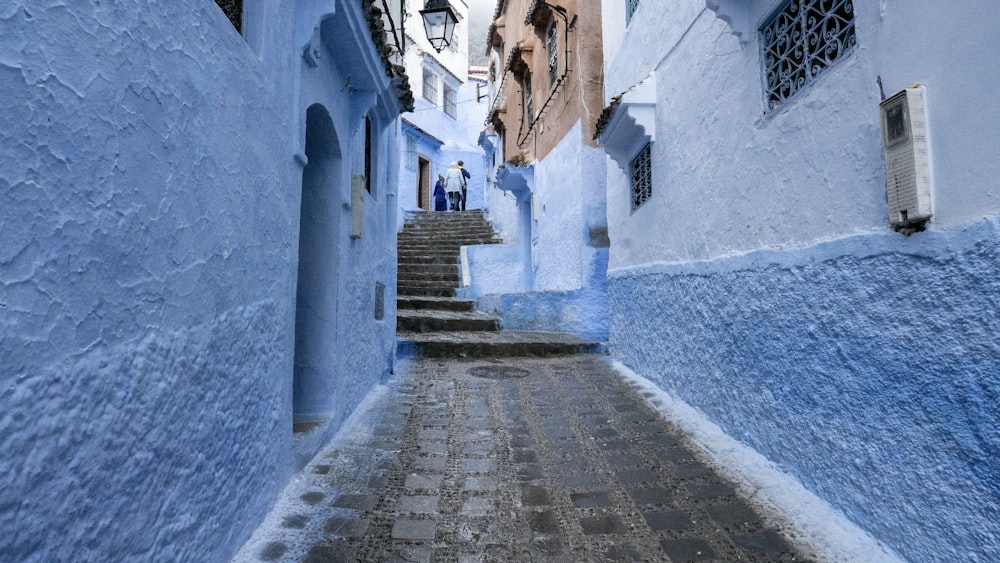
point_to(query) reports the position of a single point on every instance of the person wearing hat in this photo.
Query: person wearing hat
(453, 185)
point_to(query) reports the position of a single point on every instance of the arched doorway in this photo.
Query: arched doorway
(318, 269)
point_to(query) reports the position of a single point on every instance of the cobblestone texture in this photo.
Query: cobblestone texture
(562, 462)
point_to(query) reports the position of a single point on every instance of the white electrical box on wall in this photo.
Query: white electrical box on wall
(907, 160)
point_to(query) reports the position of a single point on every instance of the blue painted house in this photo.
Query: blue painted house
(803, 214)
(198, 263)
(447, 115)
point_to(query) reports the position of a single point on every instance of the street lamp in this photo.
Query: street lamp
(439, 23)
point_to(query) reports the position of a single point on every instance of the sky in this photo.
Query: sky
(480, 15)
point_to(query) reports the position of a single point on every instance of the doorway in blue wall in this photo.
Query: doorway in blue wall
(318, 268)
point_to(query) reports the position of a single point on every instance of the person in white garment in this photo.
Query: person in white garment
(453, 181)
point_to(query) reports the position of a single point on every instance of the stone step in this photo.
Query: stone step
(417, 287)
(406, 251)
(432, 260)
(444, 230)
(404, 254)
(410, 268)
(428, 320)
(450, 242)
(435, 249)
(467, 215)
(424, 266)
(481, 226)
(417, 302)
(431, 322)
(426, 283)
(437, 245)
(472, 224)
(484, 230)
(444, 241)
(423, 291)
(424, 276)
(490, 344)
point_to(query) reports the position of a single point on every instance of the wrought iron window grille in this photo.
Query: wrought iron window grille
(641, 176)
(529, 109)
(552, 44)
(800, 41)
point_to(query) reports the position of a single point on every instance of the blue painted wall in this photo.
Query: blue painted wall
(441, 138)
(149, 212)
(144, 386)
(762, 284)
(869, 368)
(553, 275)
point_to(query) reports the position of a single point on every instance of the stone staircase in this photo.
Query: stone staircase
(430, 320)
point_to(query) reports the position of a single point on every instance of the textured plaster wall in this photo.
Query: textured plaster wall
(500, 205)
(582, 312)
(565, 289)
(360, 347)
(867, 367)
(761, 283)
(729, 179)
(455, 138)
(149, 208)
(567, 188)
(494, 269)
(146, 450)
(145, 383)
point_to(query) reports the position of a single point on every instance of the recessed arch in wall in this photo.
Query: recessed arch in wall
(318, 270)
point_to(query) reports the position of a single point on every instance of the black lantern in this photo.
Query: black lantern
(439, 23)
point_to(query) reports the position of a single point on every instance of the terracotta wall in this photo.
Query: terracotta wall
(575, 94)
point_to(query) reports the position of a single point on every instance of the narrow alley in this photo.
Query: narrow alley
(504, 446)
(514, 459)
(716, 281)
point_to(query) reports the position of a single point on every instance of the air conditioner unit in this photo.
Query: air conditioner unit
(907, 162)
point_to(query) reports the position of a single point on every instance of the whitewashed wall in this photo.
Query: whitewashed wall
(761, 282)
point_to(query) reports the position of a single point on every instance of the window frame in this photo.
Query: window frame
(430, 84)
(411, 152)
(451, 104)
(527, 95)
(369, 153)
(795, 43)
(640, 174)
(552, 44)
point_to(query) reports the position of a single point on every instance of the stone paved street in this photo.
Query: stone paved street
(517, 460)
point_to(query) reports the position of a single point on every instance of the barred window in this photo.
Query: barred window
(630, 7)
(641, 175)
(411, 152)
(234, 11)
(430, 86)
(552, 42)
(369, 139)
(529, 110)
(801, 40)
(449, 100)
(379, 301)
